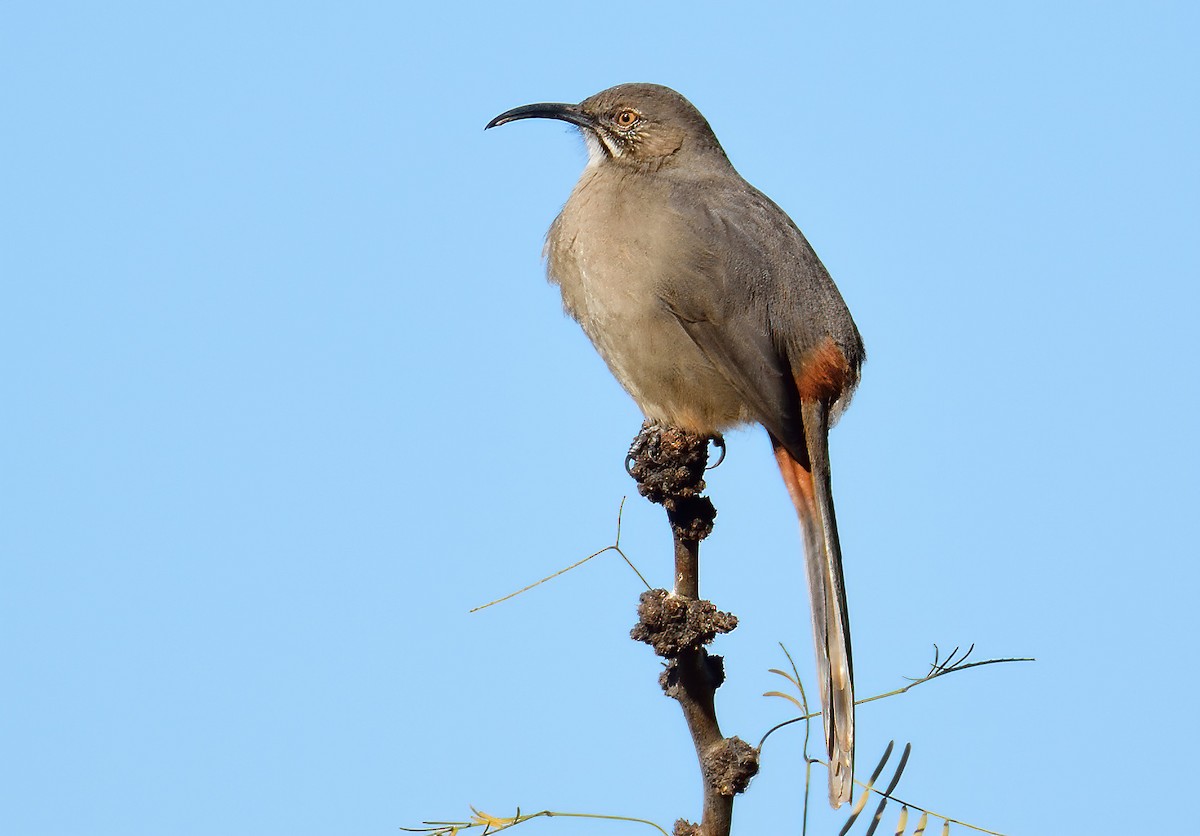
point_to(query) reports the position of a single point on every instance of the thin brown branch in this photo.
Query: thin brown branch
(669, 465)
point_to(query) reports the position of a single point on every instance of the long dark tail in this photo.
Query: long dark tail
(809, 485)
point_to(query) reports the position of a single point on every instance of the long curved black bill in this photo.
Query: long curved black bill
(544, 110)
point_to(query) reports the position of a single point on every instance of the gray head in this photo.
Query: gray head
(639, 125)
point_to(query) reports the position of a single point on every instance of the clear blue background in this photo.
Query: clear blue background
(285, 394)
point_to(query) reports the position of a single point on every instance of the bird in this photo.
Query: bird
(713, 311)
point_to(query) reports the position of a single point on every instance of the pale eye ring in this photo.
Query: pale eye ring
(627, 118)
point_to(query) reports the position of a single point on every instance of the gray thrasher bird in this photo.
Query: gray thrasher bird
(712, 310)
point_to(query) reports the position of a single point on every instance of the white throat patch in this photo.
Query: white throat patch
(596, 145)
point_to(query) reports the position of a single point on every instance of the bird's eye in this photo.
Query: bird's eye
(626, 118)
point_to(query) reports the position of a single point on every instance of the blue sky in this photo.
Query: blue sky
(286, 395)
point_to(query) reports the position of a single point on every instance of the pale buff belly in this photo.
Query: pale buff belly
(652, 356)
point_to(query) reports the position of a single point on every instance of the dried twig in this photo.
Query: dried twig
(615, 547)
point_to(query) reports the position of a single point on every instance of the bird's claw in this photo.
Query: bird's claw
(718, 441)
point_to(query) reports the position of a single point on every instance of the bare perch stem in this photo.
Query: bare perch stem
(687, 567)
(668, 465)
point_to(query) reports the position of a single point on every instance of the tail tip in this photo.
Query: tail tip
(841, 779)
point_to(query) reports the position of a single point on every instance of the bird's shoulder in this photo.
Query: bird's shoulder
(746, 261)
(728, 213)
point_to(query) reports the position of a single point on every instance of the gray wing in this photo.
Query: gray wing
(744, 354)
(751, 293)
